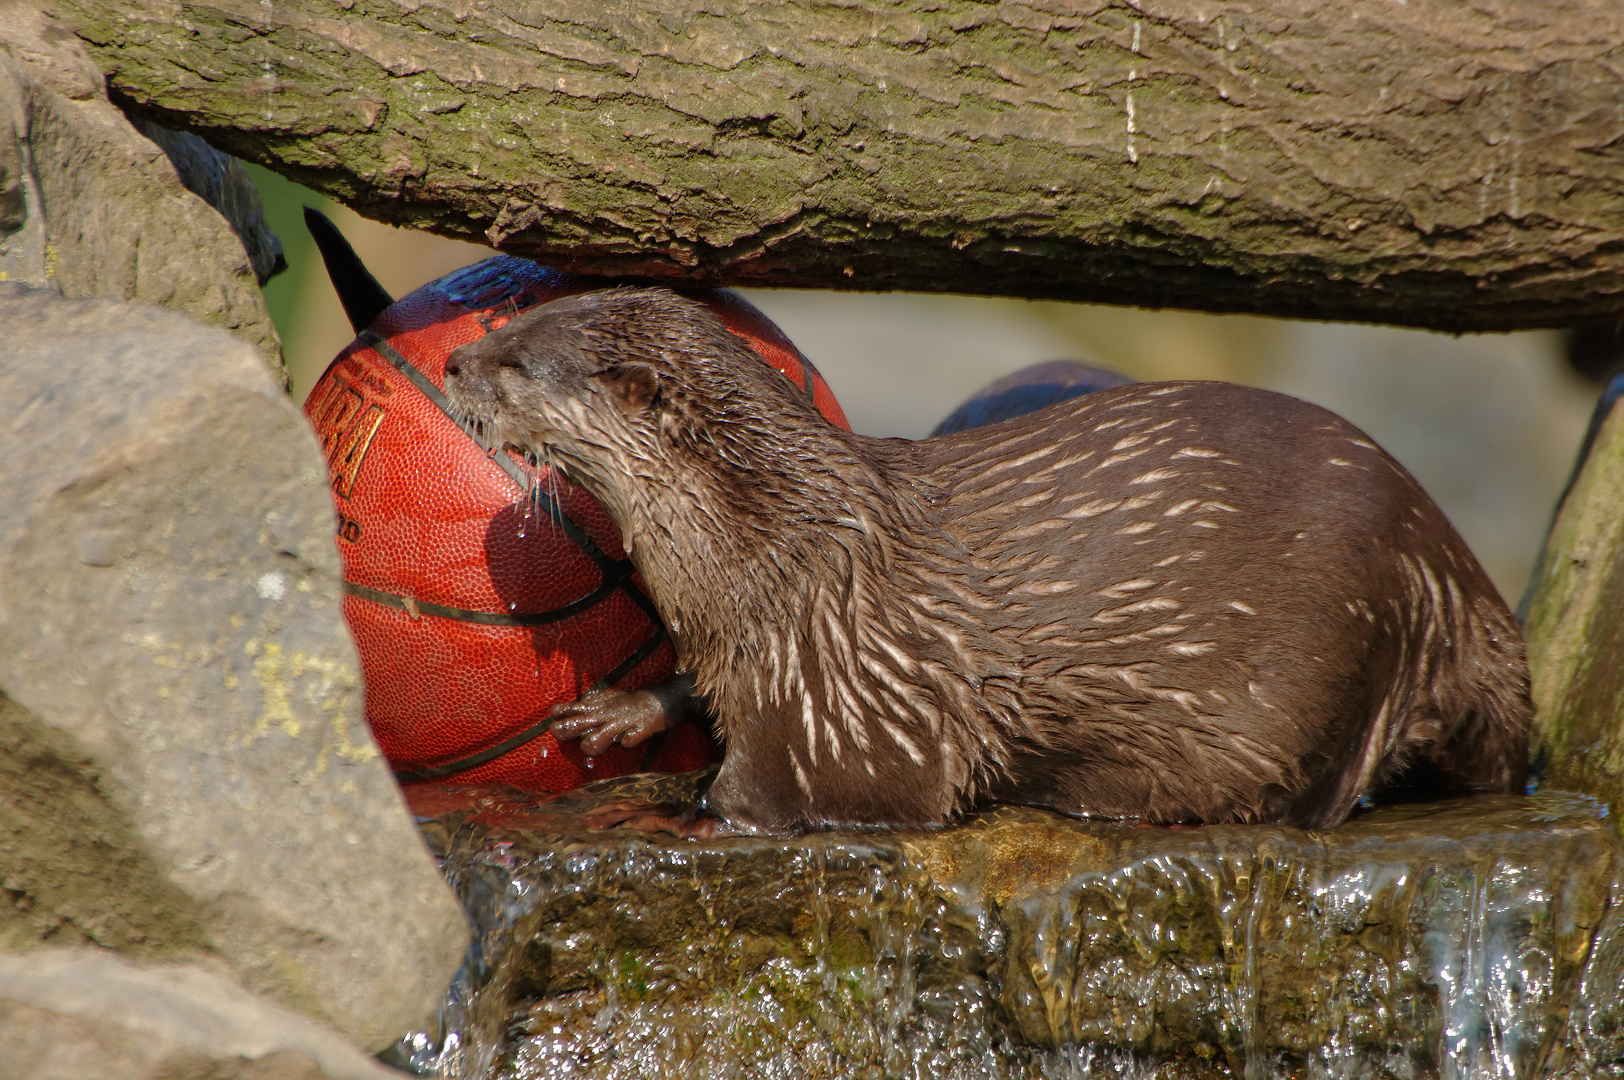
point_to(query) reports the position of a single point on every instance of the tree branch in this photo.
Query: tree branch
(1456, 164)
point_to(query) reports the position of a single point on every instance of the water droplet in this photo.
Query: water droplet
(589, 763)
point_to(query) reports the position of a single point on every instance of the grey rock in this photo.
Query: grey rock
(1471, 938)
(221, 181)
(85, 1014)
(90, 206)
(187, 770)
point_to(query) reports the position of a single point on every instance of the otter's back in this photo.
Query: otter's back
(1230, 601)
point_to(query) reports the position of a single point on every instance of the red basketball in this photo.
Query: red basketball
(482, 591)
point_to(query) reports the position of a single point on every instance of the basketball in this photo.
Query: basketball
(482, 590)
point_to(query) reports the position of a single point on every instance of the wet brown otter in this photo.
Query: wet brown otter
(1165, 602)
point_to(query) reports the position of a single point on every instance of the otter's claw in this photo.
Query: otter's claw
(603, 718)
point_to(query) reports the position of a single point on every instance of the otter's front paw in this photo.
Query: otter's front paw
(602, 718)
(685, 822)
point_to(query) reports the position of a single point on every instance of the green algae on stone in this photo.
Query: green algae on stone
(1419, 941)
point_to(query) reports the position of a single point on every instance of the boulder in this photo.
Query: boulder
(84, 1014)
(187, 774)
(1476, 937)
(90, 206)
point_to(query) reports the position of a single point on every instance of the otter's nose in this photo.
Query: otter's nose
(460, 362)
(477, 361)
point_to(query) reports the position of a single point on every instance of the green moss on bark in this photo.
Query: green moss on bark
(1275, 156)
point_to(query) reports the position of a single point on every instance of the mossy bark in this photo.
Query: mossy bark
(1439, 164)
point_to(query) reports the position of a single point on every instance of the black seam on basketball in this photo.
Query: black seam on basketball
(616, 573)
(617, 570)
(640, 598)
(534, 731)
(806, 384)
(625, 667)
(526, 483)
(652, 751)
(473, 761)
(486, 618)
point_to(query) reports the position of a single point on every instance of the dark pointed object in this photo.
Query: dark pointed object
(363, 298)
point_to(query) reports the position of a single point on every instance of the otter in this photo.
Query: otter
(1161, 603)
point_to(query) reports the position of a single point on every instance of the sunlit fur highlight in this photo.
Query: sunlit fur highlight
(893, 632)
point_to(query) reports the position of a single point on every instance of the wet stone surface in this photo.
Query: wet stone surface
(1473, 938)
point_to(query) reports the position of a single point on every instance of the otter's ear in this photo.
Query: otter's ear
(633, 386)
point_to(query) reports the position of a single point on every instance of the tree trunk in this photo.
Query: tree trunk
(1455, 164)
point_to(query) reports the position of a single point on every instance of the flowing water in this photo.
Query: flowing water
(1474, 938)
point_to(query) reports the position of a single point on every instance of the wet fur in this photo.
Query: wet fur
(1168, 602)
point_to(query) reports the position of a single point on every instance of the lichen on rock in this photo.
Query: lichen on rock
(191, 775)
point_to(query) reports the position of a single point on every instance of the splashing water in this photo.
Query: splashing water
(1469, 939)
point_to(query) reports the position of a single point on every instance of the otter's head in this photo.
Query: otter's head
(628, 389)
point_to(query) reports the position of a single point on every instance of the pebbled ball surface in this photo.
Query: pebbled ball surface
(441, 547)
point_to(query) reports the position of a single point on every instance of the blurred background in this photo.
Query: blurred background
(1488, 423)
